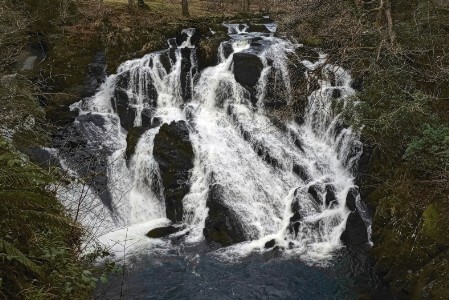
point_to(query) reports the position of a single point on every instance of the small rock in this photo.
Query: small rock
(270, 244)
(161, 232)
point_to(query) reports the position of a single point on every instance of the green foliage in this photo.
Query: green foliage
(38, 244)
(429, 151)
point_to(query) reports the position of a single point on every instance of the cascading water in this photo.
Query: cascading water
(285, 185)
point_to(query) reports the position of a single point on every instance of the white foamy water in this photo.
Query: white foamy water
(236, 144)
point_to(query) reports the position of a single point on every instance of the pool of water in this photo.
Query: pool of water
(269, 275)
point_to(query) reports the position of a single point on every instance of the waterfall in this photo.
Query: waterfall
(285, 184)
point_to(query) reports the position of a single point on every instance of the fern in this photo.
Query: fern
(21, 258)
(27, 199)
(10, 178)
(50, 220)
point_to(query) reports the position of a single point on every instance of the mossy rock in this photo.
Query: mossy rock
(207, 50)
(433, 226)
(313, 41)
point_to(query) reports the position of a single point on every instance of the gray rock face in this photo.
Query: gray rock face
(174, 153)
(222, 225)
(88, 159)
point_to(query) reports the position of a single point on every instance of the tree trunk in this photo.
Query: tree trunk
(391, 33)
(100, 7)
(185, 8)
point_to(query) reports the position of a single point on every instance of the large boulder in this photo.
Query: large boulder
(247, 70)
(355, 233)
(222, 224)
(174, 153)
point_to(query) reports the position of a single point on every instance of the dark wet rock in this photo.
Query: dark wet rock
(196, 37)
(301, 172)
(332, 77)
(276, 90)
(357, 84)
(42, 157)
(330, 195)
(166, 61)
(336, 93)
(247, 70)
(60, 115)
(339, 127)
(363, 167)
(207, 50)
(95, 75)
(296, 140)
(313, 191)
(186, 66)
(298, 145)
(147, 117)
(270, 244)
(262, 151)
(161, 232)
(156, 122)
(295, 204)
(222, 224)
(355, 233)
(227, 49)
(172, 43)
(299, 120)
(174, 153)
(351, 198)
(121, 102)
(258, 28)
(296, 218)
(132, 138)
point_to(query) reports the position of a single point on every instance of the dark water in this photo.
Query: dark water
(261, 276)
